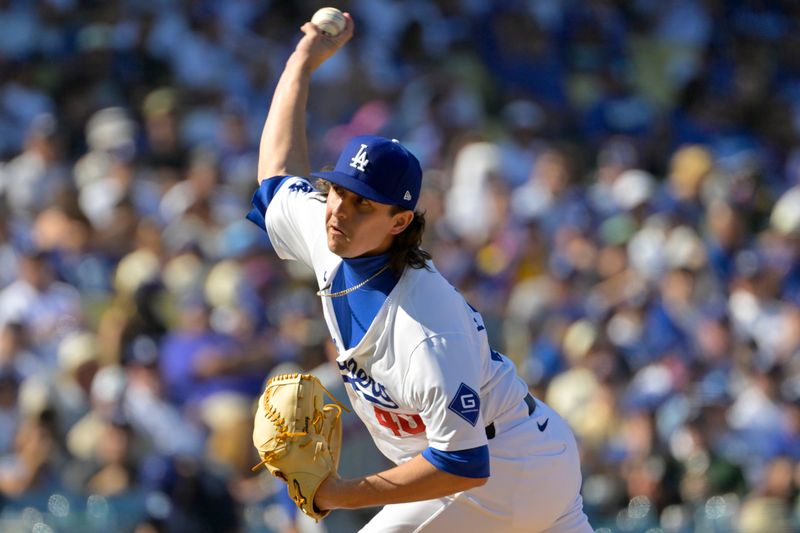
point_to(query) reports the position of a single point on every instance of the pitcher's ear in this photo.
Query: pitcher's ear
(401, 222)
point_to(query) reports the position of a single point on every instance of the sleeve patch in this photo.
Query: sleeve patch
(466, 404)
(301, 186)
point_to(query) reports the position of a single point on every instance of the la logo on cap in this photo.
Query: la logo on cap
(360, 160)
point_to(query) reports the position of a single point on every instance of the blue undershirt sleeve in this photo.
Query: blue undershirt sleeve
(261, 199)
(473, 462)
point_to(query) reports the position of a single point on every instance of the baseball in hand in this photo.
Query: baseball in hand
(330, 20)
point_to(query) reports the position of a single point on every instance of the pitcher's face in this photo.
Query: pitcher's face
(356, 226)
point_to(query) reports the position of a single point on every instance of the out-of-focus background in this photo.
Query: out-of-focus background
(615, 185)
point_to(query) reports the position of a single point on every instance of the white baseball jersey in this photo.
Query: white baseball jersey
(423, 374)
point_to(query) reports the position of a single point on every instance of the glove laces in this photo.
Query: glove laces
(279, 421)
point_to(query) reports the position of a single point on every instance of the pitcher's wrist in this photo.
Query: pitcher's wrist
(325, 498)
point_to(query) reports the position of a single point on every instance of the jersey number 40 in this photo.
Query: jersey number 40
(401, 425)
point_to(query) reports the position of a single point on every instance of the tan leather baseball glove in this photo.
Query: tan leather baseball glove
(298, 436)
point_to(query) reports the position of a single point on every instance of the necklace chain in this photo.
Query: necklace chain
(343, 292)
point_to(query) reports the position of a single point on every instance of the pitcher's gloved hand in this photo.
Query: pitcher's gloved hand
(298, 436)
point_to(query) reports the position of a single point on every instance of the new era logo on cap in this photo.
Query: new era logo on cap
(379, 169)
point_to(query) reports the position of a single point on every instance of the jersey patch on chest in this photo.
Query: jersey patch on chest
(466, 404)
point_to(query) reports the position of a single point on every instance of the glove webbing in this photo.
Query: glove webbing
(276, 418)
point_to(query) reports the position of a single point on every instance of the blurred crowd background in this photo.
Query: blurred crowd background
(615, 185)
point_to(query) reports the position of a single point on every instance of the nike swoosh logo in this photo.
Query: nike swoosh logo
(543, 426)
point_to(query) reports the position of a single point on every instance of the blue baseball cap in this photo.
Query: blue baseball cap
(378, 169)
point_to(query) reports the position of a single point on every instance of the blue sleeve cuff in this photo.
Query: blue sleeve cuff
(473, 462)
(261, 199)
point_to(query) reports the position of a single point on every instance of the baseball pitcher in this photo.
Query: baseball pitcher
(474, 450)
